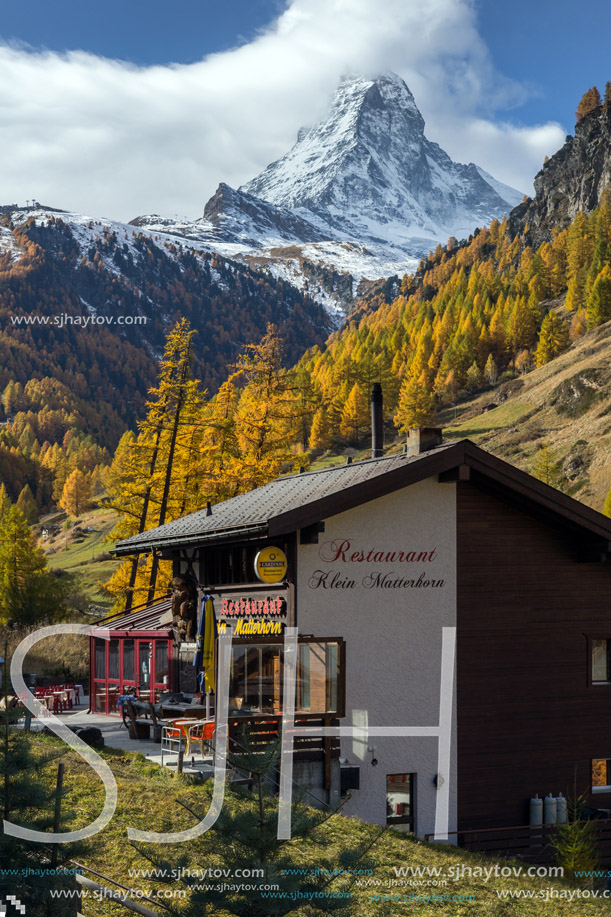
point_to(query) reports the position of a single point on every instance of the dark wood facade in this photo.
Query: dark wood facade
(530, 595)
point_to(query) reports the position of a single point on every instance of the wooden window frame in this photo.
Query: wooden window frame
(589, 648)
(341, 686)
(600, 790)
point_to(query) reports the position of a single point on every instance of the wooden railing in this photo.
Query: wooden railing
(525, 842)
(266, 728)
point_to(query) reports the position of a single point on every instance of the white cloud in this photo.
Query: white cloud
(111, 139)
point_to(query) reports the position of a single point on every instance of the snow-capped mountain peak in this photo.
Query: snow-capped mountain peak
(363, 193)
(368, 172)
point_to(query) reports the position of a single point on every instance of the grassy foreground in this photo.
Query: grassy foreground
(150, 798)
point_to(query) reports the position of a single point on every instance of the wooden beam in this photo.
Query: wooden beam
(452, 475)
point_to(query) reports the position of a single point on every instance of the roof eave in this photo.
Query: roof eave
(464, 452)
(123, 549)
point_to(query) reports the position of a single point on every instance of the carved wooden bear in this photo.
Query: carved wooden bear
(183, 608)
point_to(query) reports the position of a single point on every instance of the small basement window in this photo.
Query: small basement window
(601, 775)
(601, 662)
(400, 801)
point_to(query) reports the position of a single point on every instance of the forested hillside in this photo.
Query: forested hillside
(84, 315)
(475, 313)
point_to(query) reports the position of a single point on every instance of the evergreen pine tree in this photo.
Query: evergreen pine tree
(76, 493)
(491, 373)
(590, 101)
(598, 309)
(27, 800)
(27, 504)
(548, 468)
(29, 592)
(320, 438)
(146, 480)
(554, 339)
(246, 834)
(575, 843)
(5, 503)
(269, 414)
(416, 406)
(355, 416)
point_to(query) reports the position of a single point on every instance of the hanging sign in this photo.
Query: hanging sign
(271, 565)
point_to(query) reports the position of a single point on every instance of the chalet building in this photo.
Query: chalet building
(453, 611)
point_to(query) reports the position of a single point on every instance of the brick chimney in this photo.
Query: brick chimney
(421, 439)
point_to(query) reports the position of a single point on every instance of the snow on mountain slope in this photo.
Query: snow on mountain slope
(363, 194)
(368, 173)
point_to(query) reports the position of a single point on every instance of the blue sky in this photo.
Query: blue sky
(212, 91)
(559, 48)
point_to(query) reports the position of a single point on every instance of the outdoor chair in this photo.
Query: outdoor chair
(201, 734)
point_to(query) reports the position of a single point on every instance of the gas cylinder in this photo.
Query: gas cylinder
(536, 810)
(549, 810)
(560, 809)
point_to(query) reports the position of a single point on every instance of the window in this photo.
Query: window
(161, 662)
(255, 683)
(400, 801)
(100, 659)
(113, 660)
(128, 660)
(601, 668)
(601, 775)
(318, 676)
(257, 673)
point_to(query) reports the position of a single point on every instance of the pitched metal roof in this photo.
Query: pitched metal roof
(296, 501)
(252, 512)
(143, 617)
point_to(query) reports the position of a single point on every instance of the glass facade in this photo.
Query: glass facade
(121, 663)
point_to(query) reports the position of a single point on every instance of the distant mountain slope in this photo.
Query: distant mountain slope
(566, 403)
(89, 302)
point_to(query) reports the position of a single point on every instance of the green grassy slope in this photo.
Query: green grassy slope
(83, 549)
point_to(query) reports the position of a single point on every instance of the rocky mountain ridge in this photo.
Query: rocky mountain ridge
(572, 180)
(95, 299)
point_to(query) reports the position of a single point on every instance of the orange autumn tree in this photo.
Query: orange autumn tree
(148, 477)
(76, 493)
(189, 450)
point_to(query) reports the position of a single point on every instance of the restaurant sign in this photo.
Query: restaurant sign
(245, 627)
(271, 565)
(256, 614)
(253, 607)
(348, 565)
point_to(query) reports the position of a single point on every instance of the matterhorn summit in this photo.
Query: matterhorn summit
(368, 173)
(363, 194)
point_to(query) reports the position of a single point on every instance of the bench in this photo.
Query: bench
(143, 728)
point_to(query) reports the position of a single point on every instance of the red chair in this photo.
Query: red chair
(201, 734)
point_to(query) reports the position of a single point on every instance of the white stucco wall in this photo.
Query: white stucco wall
(393, 635)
